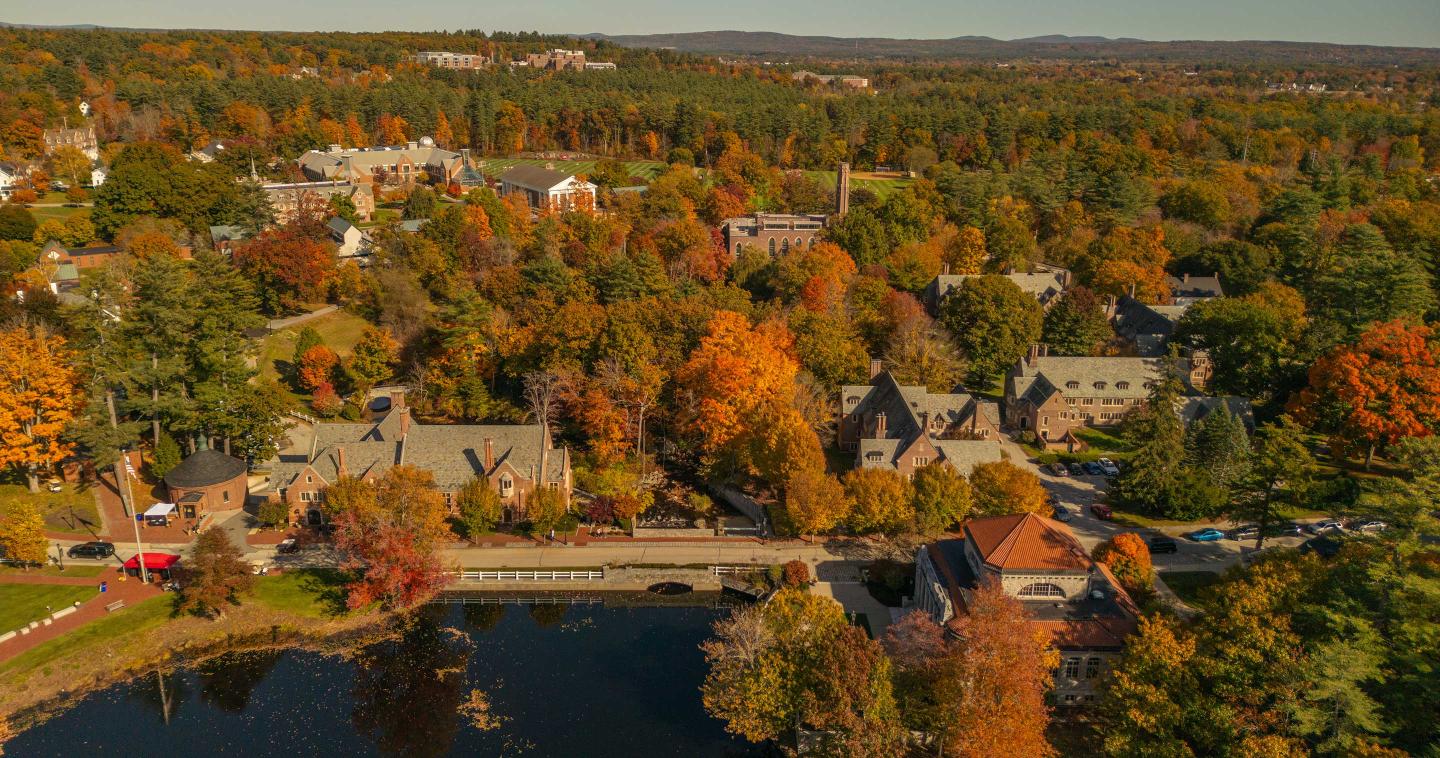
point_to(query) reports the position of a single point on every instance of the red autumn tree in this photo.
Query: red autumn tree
(389, 533)
(1376, 392)
(288, 267)
(1128, 559)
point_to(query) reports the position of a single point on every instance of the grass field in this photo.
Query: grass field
(22, 603)
(1189, 585)
(881, 184)
(315, 593)
(65, 511)
(71, 570)
(340, 331)
(130, 621)
(496, 166)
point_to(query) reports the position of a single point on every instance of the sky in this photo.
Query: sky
(1376, 22)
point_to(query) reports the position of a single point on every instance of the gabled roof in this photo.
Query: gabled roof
(536, 178)
(1189, 289)
(1026, 542)
(339, 226)
(1044, 286)
(1038, 377)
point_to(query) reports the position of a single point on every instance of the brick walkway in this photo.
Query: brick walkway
(119, 523)
(131, 591)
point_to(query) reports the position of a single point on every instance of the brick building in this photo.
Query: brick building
(773, 233)
(207, 480)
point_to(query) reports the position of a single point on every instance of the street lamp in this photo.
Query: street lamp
(59, 556)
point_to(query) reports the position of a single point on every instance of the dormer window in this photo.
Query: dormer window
(507, 485)
(873, 456)
(1099, 385)
(852, 400)
(1072, 385)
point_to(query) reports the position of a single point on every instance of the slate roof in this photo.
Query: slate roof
(1193, 409)
(1044, 286)
(1190, 289)
(1036, 379)
(339, 226)
(1026, 542)
(453, 453)
(909, 412)
(366, 160)
(205, 468)
(534, 177)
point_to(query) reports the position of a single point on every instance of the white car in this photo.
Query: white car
(1328, 525)
(1109, 467)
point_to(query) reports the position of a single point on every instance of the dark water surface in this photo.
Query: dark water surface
(610, 679)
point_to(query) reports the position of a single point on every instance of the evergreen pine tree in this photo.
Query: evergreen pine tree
(167, 456)
(1218, 446)
(159, 326)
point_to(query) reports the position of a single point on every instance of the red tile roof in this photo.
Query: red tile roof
(1026, 541)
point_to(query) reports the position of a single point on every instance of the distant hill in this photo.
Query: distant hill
(772, 45)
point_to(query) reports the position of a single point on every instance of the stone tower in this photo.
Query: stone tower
(842, 191)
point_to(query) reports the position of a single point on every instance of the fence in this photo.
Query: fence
(734, 570)
(516, 600)
(594, 575)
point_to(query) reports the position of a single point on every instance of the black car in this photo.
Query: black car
(91, 550)
(1162, 545)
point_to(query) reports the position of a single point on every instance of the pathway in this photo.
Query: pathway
(276, 325)
(131, 591)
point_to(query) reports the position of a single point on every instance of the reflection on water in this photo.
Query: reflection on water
(564, 676)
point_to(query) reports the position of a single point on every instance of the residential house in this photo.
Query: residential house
(81, 137)
(286, 198)
(11, 174)
(545, 188)
(401, 164)
(1045, 284)
(1148, 327)
(223, 238)
(1188, 290)
(98, 175)
(1076, 602)
(352, 244)
(1054, 395)
(515, 459)
(903, 428)
(772, 233)
(209, 153)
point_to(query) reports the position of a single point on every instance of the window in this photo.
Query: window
(1042, 589)
(1122, 385)
(1092, 667)
(305, 497)
(1072, 670)
(1088, 401)
(507, 485)
(1098, 385)
(984, 432)
(309, 479)
(852, 400)
(554, 485)
(784, 244)
(225, 497)
(921, 460)
(1072, 385)
(772, 247)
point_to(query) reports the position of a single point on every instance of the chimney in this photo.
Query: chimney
(397, 400)
(1132, 290)
(1111, 306)
(340, 467)
(1034, 352)
(925, 423)
(876, 366)
(1185, 278)
(880, 425)
(404, 422)
(842, 190)
(412, 145)
(489, 454)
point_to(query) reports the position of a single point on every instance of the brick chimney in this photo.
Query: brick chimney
(1112, 306)
(876, 366)
(489, 454)
(340, 467)
(880, 425)
(397, 400)
(1034, 353)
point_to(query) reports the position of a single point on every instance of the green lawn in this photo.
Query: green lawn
(22, 603)
(132, 620)
(340, 331)
(881, 187)
(57, 212)
(71, 569)
(493, 167)
(315, 593)
(1189, 585)
(65, 511)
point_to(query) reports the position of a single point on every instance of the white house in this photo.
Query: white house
(352, 243)
(97, 176)
(10, 176)
(548, 189)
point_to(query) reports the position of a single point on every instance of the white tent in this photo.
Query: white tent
(160, 510)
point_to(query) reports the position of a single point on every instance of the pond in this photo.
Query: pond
(607, 675)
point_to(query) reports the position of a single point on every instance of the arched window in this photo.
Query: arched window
(739, 247)
(785, 244)
(799, 242)
(1041, 589)
(772, 247)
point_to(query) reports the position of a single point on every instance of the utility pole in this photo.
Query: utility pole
(135, 524)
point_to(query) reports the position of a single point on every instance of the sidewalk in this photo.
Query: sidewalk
(132, 591)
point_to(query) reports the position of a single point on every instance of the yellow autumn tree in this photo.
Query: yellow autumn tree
(965, 253)
(39, 395)
(22, 535)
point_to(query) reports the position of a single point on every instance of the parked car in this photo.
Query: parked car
(1058, 469)
(1246, 532)
(1283, 529)
(1371, 526)
(1076, 469)
(1101, 511)
(1063, 514)
(1206, 535)
(1108, 467)
(1328, 525)
(91, 550)
(1159, 545)
(288, 545)
(1093, 469)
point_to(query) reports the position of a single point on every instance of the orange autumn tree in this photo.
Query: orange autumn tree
(1382, 389)
(991, 680)
(39, 396)
(1128, 559)
(739, 373)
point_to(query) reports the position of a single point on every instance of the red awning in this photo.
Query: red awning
(153, 561)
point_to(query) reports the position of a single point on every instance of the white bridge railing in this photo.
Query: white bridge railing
(504, 575)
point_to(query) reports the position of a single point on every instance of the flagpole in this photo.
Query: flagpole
(135, 522)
